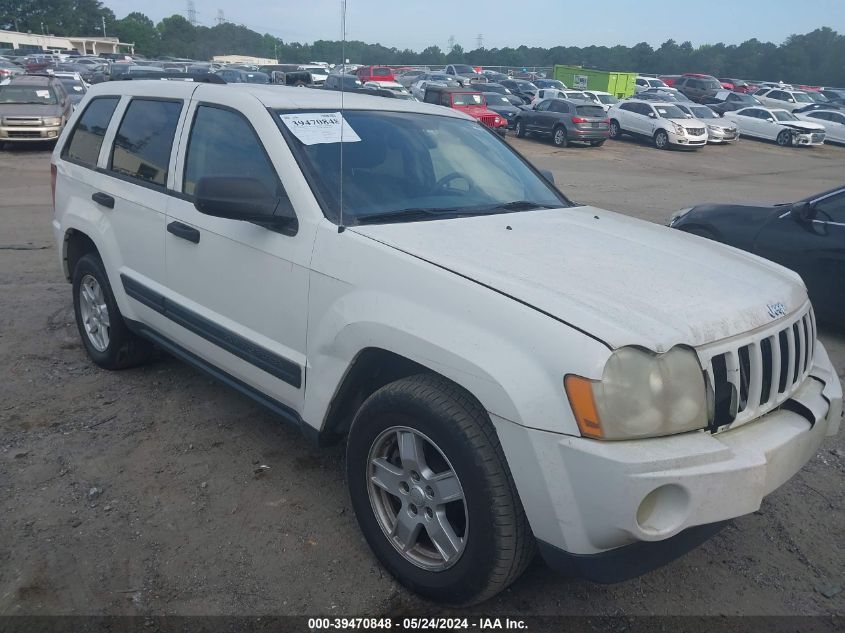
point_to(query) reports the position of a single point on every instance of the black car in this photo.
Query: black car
(525, 90)
(565, 121)
(697, 88)
(343, 82)
(500, 104)
(830, 105)
(807, 236)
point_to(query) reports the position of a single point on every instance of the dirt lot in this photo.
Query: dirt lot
(135, 492)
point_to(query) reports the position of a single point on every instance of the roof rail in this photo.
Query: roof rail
(205, 78)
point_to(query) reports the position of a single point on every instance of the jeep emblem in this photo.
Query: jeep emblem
(776, 310)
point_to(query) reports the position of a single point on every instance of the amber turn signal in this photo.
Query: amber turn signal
(580, 393)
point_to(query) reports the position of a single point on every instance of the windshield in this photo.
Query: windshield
(463, 68)
(551, 83)
(73, 85)
(801, 97)
(526, 86)
(817, 97)
(467, 99)
(670, 112)
(496, 99)
(656, 83)
(410, 162)
(607, 99)
(702, 112)
(382, 72)
(783, 115)
(27, 94)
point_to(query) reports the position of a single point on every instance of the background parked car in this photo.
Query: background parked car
(664, 124)
(719, 130)
(784, 99)
(73, 85)
(375, 73)
(493, 75)
(464, 74)
(727, 101)
(523, 89)
(644, 83)
(550, 83)
(565, 121)
(669, 80)
(698, 87)
(432, 79)
(408, 77)
(9, 70)
(807, 236)
(500, 104)
(604, 99)
(777, 125)
(468, 101)
(33, 108)
(833, 94)
(346, 82)
(832, 120)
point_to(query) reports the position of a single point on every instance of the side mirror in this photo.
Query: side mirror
(802, 212)
(245, 199)
(548, 175)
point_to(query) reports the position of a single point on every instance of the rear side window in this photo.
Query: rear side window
(87, 137)
(223, 143)
(144, 140)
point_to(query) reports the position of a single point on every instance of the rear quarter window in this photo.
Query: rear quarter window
(144, 140)
(86, 139)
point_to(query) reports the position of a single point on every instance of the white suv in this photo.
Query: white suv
(665, 124)
(508, 369)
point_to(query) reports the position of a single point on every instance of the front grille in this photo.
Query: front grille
(23, 134)
(30, 121)
(488, 119)
(750, 379)
(695, 131)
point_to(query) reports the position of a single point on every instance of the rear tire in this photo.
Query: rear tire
(784, 139)
(661, 139)
(430, 416)
(108, 341)
(615, 130)
(559, 137)
(519, 128)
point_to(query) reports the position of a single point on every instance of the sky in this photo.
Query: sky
(417, 24)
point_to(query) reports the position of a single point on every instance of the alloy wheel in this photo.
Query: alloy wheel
(95, 312)
(417, 498)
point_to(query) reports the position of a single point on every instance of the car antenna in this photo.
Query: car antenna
(340, 227)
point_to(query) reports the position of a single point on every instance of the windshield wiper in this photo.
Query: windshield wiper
(420, 213)
(522, 205)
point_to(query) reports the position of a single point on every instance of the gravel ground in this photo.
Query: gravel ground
(140, 492)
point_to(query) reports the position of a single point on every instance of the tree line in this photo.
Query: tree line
(813, 58)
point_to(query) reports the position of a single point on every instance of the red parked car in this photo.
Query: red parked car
(468, 101)
(669, 80)
(375, 73)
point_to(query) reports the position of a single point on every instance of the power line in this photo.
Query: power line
(220, 19)
(191, 13)
(479, 41)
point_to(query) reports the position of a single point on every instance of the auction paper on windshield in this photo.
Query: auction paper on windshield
(314, 128)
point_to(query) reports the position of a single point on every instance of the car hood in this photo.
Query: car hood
(803, 126)
(622, 280)
(503, 109)
(29, 109)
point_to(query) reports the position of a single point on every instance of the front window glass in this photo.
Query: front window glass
(817, 97)
(608, 99)
(670, 112)
(419, 165)
(467, 99)
(783, 115)
(801, 97)
(463, 68)
(656, 83)
(41, 95)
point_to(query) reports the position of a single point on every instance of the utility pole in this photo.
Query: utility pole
(192, 13)
(104, 26)
(479, 41)
(221, 19)
(451, 42)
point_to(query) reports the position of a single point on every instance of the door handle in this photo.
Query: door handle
(184, 231)
(103, 199)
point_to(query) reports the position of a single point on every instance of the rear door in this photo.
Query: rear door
(133, 186)
(239, 290)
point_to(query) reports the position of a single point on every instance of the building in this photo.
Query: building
(243, 59)
(32, 42)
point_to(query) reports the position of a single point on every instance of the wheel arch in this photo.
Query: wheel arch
(75, 245)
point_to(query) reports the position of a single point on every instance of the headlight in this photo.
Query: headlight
(641, 394)
(679, 129)
(52, 120)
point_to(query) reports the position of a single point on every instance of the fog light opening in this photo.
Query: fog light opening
(664, 510)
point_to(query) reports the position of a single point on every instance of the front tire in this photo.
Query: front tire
(519, 128)
(615, 130)
(559, 137)
(784, 139)
(433, 494)
(661, 140)
(104, 334)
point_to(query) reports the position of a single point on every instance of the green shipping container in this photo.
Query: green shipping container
(618, 84)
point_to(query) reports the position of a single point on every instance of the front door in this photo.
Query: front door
(239, 290)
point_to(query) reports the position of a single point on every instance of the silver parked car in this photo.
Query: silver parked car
(33, 108)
